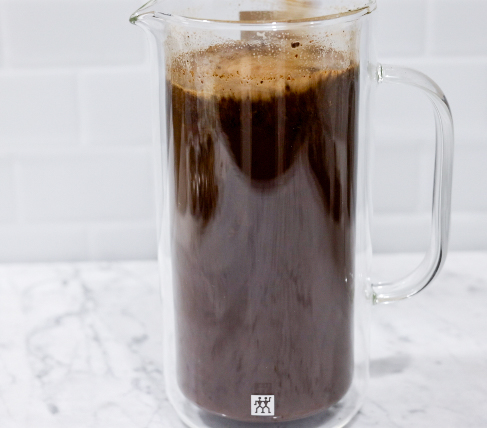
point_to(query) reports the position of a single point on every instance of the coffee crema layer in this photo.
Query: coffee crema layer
(258, 70)
(263, 180)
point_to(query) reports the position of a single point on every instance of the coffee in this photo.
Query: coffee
(262, 165)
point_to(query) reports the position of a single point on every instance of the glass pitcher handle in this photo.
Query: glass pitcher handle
(435, 256)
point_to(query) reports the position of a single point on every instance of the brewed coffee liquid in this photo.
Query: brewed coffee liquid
(263, 161)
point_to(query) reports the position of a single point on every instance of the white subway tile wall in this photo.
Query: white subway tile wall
(76, 173)
(80, 187)
(8, 206)
(116, 107)
(75, 33)
(38, 109)
(402, 27)
(459, 30)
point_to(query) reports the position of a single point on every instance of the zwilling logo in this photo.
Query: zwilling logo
(262, 405)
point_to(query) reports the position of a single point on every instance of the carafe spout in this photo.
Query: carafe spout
(145, 12)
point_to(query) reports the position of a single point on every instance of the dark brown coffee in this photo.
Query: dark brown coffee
(263, 163)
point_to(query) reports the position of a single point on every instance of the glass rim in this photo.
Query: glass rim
(145, 13)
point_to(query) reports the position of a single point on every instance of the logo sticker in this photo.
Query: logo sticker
(262, 405)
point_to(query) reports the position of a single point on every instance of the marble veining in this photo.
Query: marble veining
(81, 347)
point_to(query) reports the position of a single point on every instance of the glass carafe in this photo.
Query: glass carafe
(261, 129)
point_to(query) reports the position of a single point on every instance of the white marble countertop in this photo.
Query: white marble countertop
(80, 347)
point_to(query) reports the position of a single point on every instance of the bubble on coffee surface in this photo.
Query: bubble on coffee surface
(257, 70)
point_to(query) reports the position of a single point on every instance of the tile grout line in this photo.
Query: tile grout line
(75, 151)
(43, 70)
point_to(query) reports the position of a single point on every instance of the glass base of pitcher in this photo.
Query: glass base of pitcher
(336, 416)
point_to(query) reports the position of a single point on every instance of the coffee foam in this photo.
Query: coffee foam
(256, 70)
